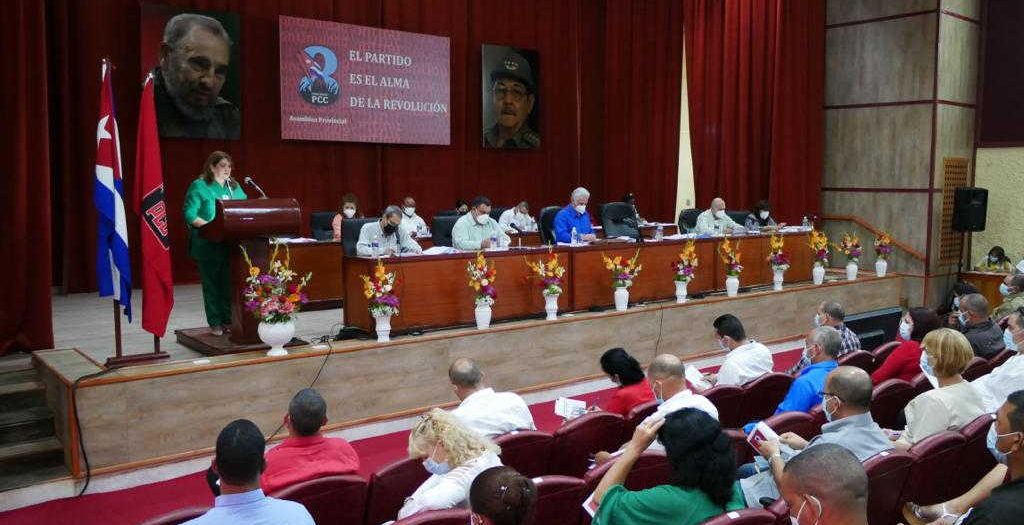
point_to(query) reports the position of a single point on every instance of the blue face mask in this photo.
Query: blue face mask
(1003, 289)
(659, 399)
(963, 318)
(992, 441)
(435, 467)
(956, 303)
(926, 366)
(1008, 340)
(817, 320)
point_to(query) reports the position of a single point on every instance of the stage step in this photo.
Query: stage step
(26, 424)
(21, 389)
(15, 362)
(29, 451)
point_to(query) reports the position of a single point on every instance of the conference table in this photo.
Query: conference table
(434, 292)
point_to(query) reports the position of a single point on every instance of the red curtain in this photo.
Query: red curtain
(25, 318)
(755, 79)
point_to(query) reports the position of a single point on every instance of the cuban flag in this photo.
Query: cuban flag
(113, 266)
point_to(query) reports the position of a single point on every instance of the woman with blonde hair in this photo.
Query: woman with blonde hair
(953, 402)
(454, 456)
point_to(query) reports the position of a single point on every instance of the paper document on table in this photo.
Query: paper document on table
(293, 240)
(439, 250)
(696, 378)
(675, 237)
(760, 434)
(570, 408)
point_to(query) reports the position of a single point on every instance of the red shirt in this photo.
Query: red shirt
(299, 459)
(627, 397)
(903, 363)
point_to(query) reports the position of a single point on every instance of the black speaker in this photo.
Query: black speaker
(969, 209)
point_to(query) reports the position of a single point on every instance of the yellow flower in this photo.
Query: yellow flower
(254, 271)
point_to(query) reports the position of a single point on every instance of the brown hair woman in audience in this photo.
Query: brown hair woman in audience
(501, 496)
(904, 362)
(349, 209)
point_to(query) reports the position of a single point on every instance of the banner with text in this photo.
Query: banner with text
(363, 84)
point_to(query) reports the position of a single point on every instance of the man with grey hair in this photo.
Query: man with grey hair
(1012, 291)
(483, 410)
(386, 234)
(831, 313)
(985, 336)
(574, 217)
(714, 220)
(826, 485)
(194, 59)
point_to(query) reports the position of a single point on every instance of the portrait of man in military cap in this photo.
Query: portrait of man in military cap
(510, 114)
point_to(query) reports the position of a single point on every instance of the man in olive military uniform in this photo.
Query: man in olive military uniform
(513, 94)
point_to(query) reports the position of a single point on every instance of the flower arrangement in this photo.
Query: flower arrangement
(883, 246)
(730, 257)
(688, 261)
(850, 247)
(379, 289)
(481, 280)
(274, 296)
(818, 242)
(549, 272)
(623, 271)
(776, 257)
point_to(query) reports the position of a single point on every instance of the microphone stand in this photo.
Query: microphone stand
(249, 181)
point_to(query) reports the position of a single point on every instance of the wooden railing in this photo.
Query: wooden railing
(859, 221)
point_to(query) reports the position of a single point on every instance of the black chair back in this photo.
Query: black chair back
(869, 324)
(619, 219)
(738, 216)
(442, 229)
(688, 219)
(350, 234)
(447, 213)
(547, 224)
(320, 225)
(496, 212)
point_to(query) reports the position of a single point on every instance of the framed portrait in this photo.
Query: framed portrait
(194, 58)
(510, 98)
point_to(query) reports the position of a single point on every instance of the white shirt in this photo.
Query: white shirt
(745, 363)
(1002, 381)
(684, 399)
(492, 414)
(413, 225)
(450, 490)
(523, 222)
(399, 242)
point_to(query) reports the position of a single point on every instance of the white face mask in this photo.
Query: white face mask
(905, 330)
(763, 215)
(817, 319)
(719, 214)
(409, 211)
(1008, 340)
(349, 213)
(796, 519)
(481, 219)
(580, 208)
(956, 303)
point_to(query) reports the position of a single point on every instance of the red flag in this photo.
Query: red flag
(149, 203)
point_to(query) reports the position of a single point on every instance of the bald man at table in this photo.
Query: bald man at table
(715, 221)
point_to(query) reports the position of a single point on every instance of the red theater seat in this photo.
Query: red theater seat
(976, 460)
(577, 440)
(650, 470)
(800, 423)
(860, 359)
(883, 352)
(818, 417)
(887, 474)
(920, 384)
(744, 517)
(744, 452)
(976, 367)
(764, 394)
(332, 500)
(390, 486)
(728, 399)
(558, 500)
(888, 399)
(936, 461)
(177, 516)
(636, 416)
(527, 451)
(435, 517)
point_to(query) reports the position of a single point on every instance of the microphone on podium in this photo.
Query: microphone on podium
(248, 180)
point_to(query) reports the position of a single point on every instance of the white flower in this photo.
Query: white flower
(484, 282)
(387, 288)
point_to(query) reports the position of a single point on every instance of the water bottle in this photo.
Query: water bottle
(574, 237)
(806, 223)
(494, 241)
(375, 245)
(659, 233)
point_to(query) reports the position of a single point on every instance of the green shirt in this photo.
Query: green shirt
(467, 233)
(661, 505)
(1010, 304)
(201, 202)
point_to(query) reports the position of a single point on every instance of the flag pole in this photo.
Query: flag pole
(117, 329)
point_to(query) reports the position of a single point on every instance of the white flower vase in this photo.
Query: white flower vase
(851, 271)
(483, 316)
(551, 307)
(732, 286)
(383, 328)
(881, 266)
(777, 280)
(818, 274)
(276, 335)
(681, 291)
(621, 299)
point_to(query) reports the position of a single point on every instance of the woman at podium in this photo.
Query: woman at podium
(215, 183)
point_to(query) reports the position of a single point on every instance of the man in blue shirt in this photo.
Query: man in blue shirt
(574, 216)
(238, 462)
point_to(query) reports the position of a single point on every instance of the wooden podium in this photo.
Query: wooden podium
(248, 223)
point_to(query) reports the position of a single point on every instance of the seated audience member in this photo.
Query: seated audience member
(349, 209)
(831, 313)
(714, 220)
(847, 406)
(993, 501)
(905, 361)
(453, 455)
(502, 496)
(952, 306)
(239, 461)
(985, 336)
(826, 485)
(391, 239)
(461, 207)
(476, 230)
(760, 217)
(996, 261)
(747, 359)
(701, 483)
(574, 215)
(1012, 290)
(483, 410)
(413, 224)
(953, 402)
(1008, 377)
(518, 219)
(633, 388)
(306, 454)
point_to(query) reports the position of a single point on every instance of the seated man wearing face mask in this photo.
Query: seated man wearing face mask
(1012, 290)
(392, 240)
(413, 224)
(476, 230)
(715, 221)
(518, 219)
(985, 336)
(574, 216)
(847, 406)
